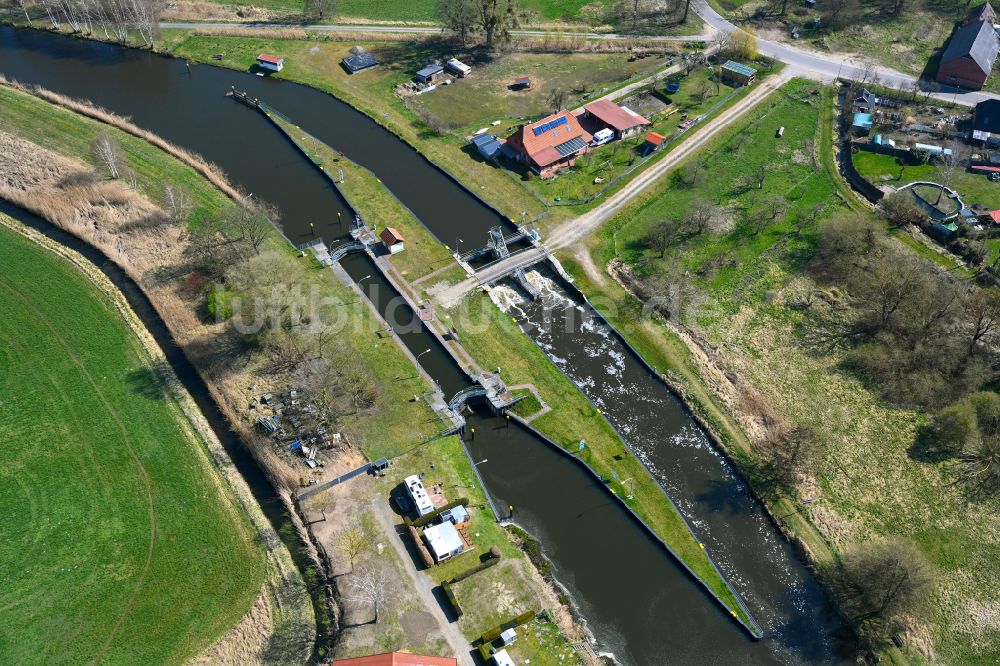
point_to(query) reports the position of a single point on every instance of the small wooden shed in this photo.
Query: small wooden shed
(392, 240)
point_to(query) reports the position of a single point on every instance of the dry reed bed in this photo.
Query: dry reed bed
(255, 33)
(211, 172)
(203, 11)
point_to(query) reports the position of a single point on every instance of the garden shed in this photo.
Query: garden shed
(430, 74)
(737, 74)
(487, 145)
(273, 63)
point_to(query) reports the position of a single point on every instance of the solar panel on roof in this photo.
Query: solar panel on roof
(539, 130)
(571, 146)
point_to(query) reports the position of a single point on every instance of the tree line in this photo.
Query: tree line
(490, 20)
(257, 291)
(116, 19)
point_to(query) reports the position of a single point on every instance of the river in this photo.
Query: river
(639, 603)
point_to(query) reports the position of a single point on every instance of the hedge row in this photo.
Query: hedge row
(486, 640)
(424, 520)
(473, 571)
(452, 599)
(424, 554)
(494, 633)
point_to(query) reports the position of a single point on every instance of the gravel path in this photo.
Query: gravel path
(423, 585)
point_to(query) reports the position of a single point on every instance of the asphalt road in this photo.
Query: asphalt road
(827, 67)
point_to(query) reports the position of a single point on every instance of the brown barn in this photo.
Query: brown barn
(971, 52)
(623, 121)
(552, 143)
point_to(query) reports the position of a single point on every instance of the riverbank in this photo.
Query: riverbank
(277, 601)
(744, 364)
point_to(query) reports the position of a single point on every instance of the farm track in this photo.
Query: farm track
(113, 413)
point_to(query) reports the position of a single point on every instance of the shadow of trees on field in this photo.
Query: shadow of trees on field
(149, 382)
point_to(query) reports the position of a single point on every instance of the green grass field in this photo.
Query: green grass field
(583, 12)
(118, 543)
(485, 96)
(790, 176)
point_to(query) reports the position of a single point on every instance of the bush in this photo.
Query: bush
(219, 304)
(425, 520)
(473, 571)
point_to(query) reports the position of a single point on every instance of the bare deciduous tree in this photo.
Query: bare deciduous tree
(496, 19)
(320, 8)
(371, 586)
(178, 201)
(700, 215)
(982, 312)
(251, 223)
(878, 583)
(557, 99)
(662, 235)
(107, 154)
(460, 17)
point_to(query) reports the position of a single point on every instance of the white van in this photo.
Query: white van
(602, 137)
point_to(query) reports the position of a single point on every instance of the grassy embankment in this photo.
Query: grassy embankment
(376, 204)
(104, 544)
(868, 486)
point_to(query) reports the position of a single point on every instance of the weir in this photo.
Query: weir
(640, 604)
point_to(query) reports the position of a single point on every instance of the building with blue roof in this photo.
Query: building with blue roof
(862, 123)
(737, 74)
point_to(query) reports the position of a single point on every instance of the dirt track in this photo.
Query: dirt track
(571, 231)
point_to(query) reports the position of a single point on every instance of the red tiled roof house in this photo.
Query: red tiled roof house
(552, 143)
(396, 659)
(623, 121)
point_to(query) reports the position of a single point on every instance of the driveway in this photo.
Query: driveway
(571, 231)
(423, 585)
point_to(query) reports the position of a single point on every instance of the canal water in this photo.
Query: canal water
(760, 564)
(640, 604)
